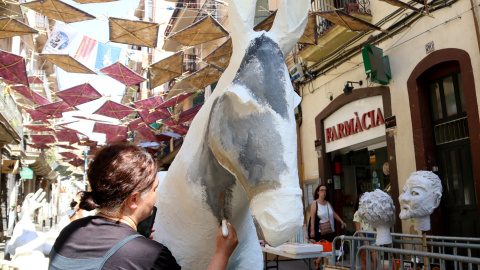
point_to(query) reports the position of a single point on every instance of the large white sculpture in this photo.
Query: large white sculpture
(378, 210)
(422, 193)
(238, 160)
(25, 238)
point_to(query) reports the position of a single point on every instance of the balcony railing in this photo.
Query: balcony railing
(208, 7)
(8, 107)
(349, 6)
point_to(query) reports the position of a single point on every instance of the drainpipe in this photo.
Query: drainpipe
(476, 24)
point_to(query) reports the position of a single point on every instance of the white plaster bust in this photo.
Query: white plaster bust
(378, 210)
(421, 195)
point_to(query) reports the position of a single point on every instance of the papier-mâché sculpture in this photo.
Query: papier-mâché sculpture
(378, 210)
(422, 193)
(238, 160)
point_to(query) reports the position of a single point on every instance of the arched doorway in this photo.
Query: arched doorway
(445, 125)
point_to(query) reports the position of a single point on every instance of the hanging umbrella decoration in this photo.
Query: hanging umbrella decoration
(58, 10)
(79, 94)
(166, 69)
(147, 109)
(67, 63)
(77, 162)
(204, 77)
(56, 109)
(31, 95)
(67, 135)
(38, 146)
(220, 57)
(134, 32)
(68, 155)
(9, 27)
(188, 115)
(43, 139)
(176, 126)
(113, 133)
(93, 1)
(166, 136)
(122, 74)
(39, 128)
(174, 101)
(12, 68)
(39, 116)
(205, 30)
(145, 131)
(114, 110)
(66, 146)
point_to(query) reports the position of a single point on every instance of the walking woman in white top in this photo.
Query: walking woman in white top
(322, 217)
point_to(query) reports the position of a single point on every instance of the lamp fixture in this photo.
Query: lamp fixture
(349, 87)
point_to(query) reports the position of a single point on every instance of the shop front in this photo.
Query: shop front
(357, 155)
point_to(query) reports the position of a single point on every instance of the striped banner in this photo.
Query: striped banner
(85, 49)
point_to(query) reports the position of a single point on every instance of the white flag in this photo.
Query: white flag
(60, 40)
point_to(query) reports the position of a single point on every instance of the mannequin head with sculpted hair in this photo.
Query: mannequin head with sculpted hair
(118, 170)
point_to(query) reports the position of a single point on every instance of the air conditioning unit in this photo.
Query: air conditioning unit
(296, 73)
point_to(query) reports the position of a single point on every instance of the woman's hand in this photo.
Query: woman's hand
(312, 234)
(224, 249)
(344, 225)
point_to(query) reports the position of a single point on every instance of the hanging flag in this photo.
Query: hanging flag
(85, 49)
(60, 40)
(106, 55)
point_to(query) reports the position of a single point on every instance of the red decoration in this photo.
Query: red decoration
(30, 94)
(79, 94)
(122, 74)
(55, 109)
(12, 68)
(114, 110)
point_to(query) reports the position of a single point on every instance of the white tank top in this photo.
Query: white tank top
(324, 212)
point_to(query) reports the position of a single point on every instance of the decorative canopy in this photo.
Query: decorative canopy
(266, 24)
(93, 1)
(114, 132)
(38, 146)
(220, 57)
(68, 155)
(204, 77)
(405, 5)
(189, 114)
(146, 132)
(205, 30)
(34, 79)
(43, 139)
(340, 17)
(310, 34)
(29, 94)
(88, 142)
(67, 63)
(114, 110)
(66, 146)
(166, 69)
(12, 68)
(175, 100)
(166, 136)
(55, 109)
(134, 32)
(133, 125)
(67, 135)
(10, 27)
(79, 94)
(175, 126)
(58, 10)
(39, 116)
(39, 128)
(146, 109)
(122, 74)
(77, 162)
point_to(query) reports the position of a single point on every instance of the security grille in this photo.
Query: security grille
(451, 131)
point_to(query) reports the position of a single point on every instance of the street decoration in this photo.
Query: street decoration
(204, 77)
(79, 94)
(66, 146)
(77, 162)
(31, 95)
(114, 110)
(12, 68)
(188, 115)
(67, 63)
(176, 126)
(166, 136)
(204, 30)
(40, 128)
(39, 116)
(175, 100)
(42, 139)
(10, 27)
(68, 155)
(220, 57)
(148, 113)
(122, 74)
(67, 135)
(58, 10)
(55, 109)
(113, 133)
(139, 33)
(34, 80)
(166, 69)
(38, 146)
(93, 1)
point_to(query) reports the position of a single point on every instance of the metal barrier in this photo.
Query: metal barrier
(456, 250)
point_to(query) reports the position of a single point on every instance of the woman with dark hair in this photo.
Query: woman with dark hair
(123, 181)
(322, 217)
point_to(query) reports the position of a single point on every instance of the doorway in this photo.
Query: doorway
(453, 155)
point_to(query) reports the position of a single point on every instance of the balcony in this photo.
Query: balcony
(331, 36)
(12, 129)
(167, 153)
(185, 13)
